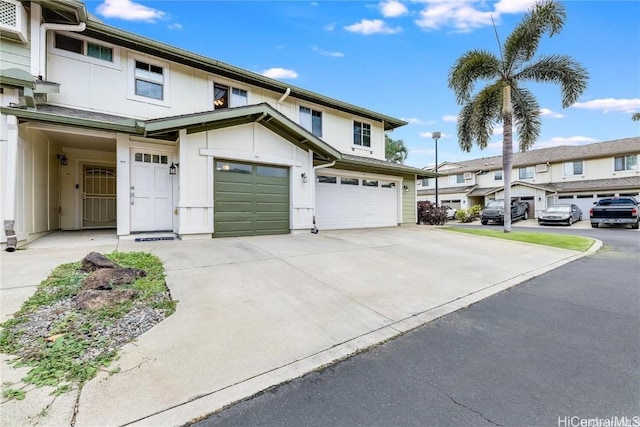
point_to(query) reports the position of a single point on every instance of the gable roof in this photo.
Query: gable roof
(564, 153)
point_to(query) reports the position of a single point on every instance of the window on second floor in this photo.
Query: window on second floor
(149, 80)
(362, 134)
(625, 163)
(311, 120)
(497, 175)
(456, 179)
(83, 47)
(228, 97)
(526, 173)
(426, 182)
(573, 168)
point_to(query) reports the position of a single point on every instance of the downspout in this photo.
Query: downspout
(42, 75)
(314, 230)
(282, 98)
(10, 177)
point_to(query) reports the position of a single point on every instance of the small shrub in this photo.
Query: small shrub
(475, 210)
(429, 213)
(465, 215)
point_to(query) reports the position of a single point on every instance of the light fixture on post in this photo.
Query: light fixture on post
(62, 159)
(173, 168)
(436, 137)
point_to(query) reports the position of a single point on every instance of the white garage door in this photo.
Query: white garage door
(344, 202)
(584, 203)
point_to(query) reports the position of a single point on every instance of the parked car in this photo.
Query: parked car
(560, 214)
(451, 212)
(494, 211)
(615, 210)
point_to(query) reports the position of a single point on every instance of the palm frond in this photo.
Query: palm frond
(471, 67)
(526, 111)
(561, 69)
(487, 105)
(523, 42)
(465, 128)
(636, 117)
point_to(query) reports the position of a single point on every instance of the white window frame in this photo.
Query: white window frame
(231, 85)
(115, 64)
(626, 163)
(426, 182)
(166, 81)
(527, 169)
(495, 175)
(361, 145)
(311, 111)
(572, 167)
(454, 179)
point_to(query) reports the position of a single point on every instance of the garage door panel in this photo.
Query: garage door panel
(251, 203)
(354, 206)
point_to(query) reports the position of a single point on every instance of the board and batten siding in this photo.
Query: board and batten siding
(409, 204)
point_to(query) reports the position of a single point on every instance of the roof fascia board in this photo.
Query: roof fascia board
(107, 33)
(398, 169)
(132, 126)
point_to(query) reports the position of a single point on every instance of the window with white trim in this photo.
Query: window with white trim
(149, 80)
(497, 175)
(625, 163)
(83, 47)
(456, 179)
(526, 173)
(426, 182)
(362, 134)
(225, 96)
(573, 168)
(311, 120)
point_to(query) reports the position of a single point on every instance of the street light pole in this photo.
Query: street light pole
(436, 136)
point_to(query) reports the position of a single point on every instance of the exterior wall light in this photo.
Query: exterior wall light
(303, 175)
(173, 168)
(62, 159)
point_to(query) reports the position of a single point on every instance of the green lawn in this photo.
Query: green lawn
(563, 241)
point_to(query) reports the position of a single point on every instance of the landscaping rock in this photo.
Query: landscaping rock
(109, 278)
(94, 261)
(93, 299)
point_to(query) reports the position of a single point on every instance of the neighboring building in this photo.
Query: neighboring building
(103, 128)
(566, 174)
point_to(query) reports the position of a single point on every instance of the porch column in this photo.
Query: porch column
(123, 192)
(9, 177)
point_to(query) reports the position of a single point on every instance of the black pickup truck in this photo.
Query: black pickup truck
(615, 210)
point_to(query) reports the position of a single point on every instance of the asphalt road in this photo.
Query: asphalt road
(557, 350)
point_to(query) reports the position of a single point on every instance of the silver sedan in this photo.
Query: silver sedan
(560, 214)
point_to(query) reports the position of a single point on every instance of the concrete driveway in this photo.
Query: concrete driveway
(256, 311)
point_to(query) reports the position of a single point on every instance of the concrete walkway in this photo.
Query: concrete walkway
(256, 311)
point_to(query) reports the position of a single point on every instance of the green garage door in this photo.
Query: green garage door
(250, 199)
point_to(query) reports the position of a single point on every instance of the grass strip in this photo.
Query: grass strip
(562, 241)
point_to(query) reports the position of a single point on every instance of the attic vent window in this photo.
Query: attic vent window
(83, 47)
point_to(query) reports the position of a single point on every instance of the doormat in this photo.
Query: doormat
(152, 239)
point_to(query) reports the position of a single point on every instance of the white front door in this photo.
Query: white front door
(151, 191)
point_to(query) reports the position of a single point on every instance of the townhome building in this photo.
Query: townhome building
(102, 128)
(564, 174)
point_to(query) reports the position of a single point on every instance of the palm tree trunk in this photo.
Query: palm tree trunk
(507, 154)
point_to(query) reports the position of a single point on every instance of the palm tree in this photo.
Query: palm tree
(395, 151)
(636, 117)
(505, 98)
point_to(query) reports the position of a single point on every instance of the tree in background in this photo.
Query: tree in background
(395, 151)
(636, 117)
(505, 98)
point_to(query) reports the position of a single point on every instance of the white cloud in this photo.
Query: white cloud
(449, 118)
(611, 104)
(375, 26)
(467, 15)
(280, 73)
(460, 15)
(422, 151)
(313, 3)
(330, 27)
(175, 26)
(545, 112)
(393, 9)
(416, 121)
(129, 11)
(323, 52)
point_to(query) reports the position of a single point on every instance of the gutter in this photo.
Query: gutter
(283, 97)
(42, 68)
(314, 230)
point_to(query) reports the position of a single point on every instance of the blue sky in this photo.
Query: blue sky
(394, 57)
